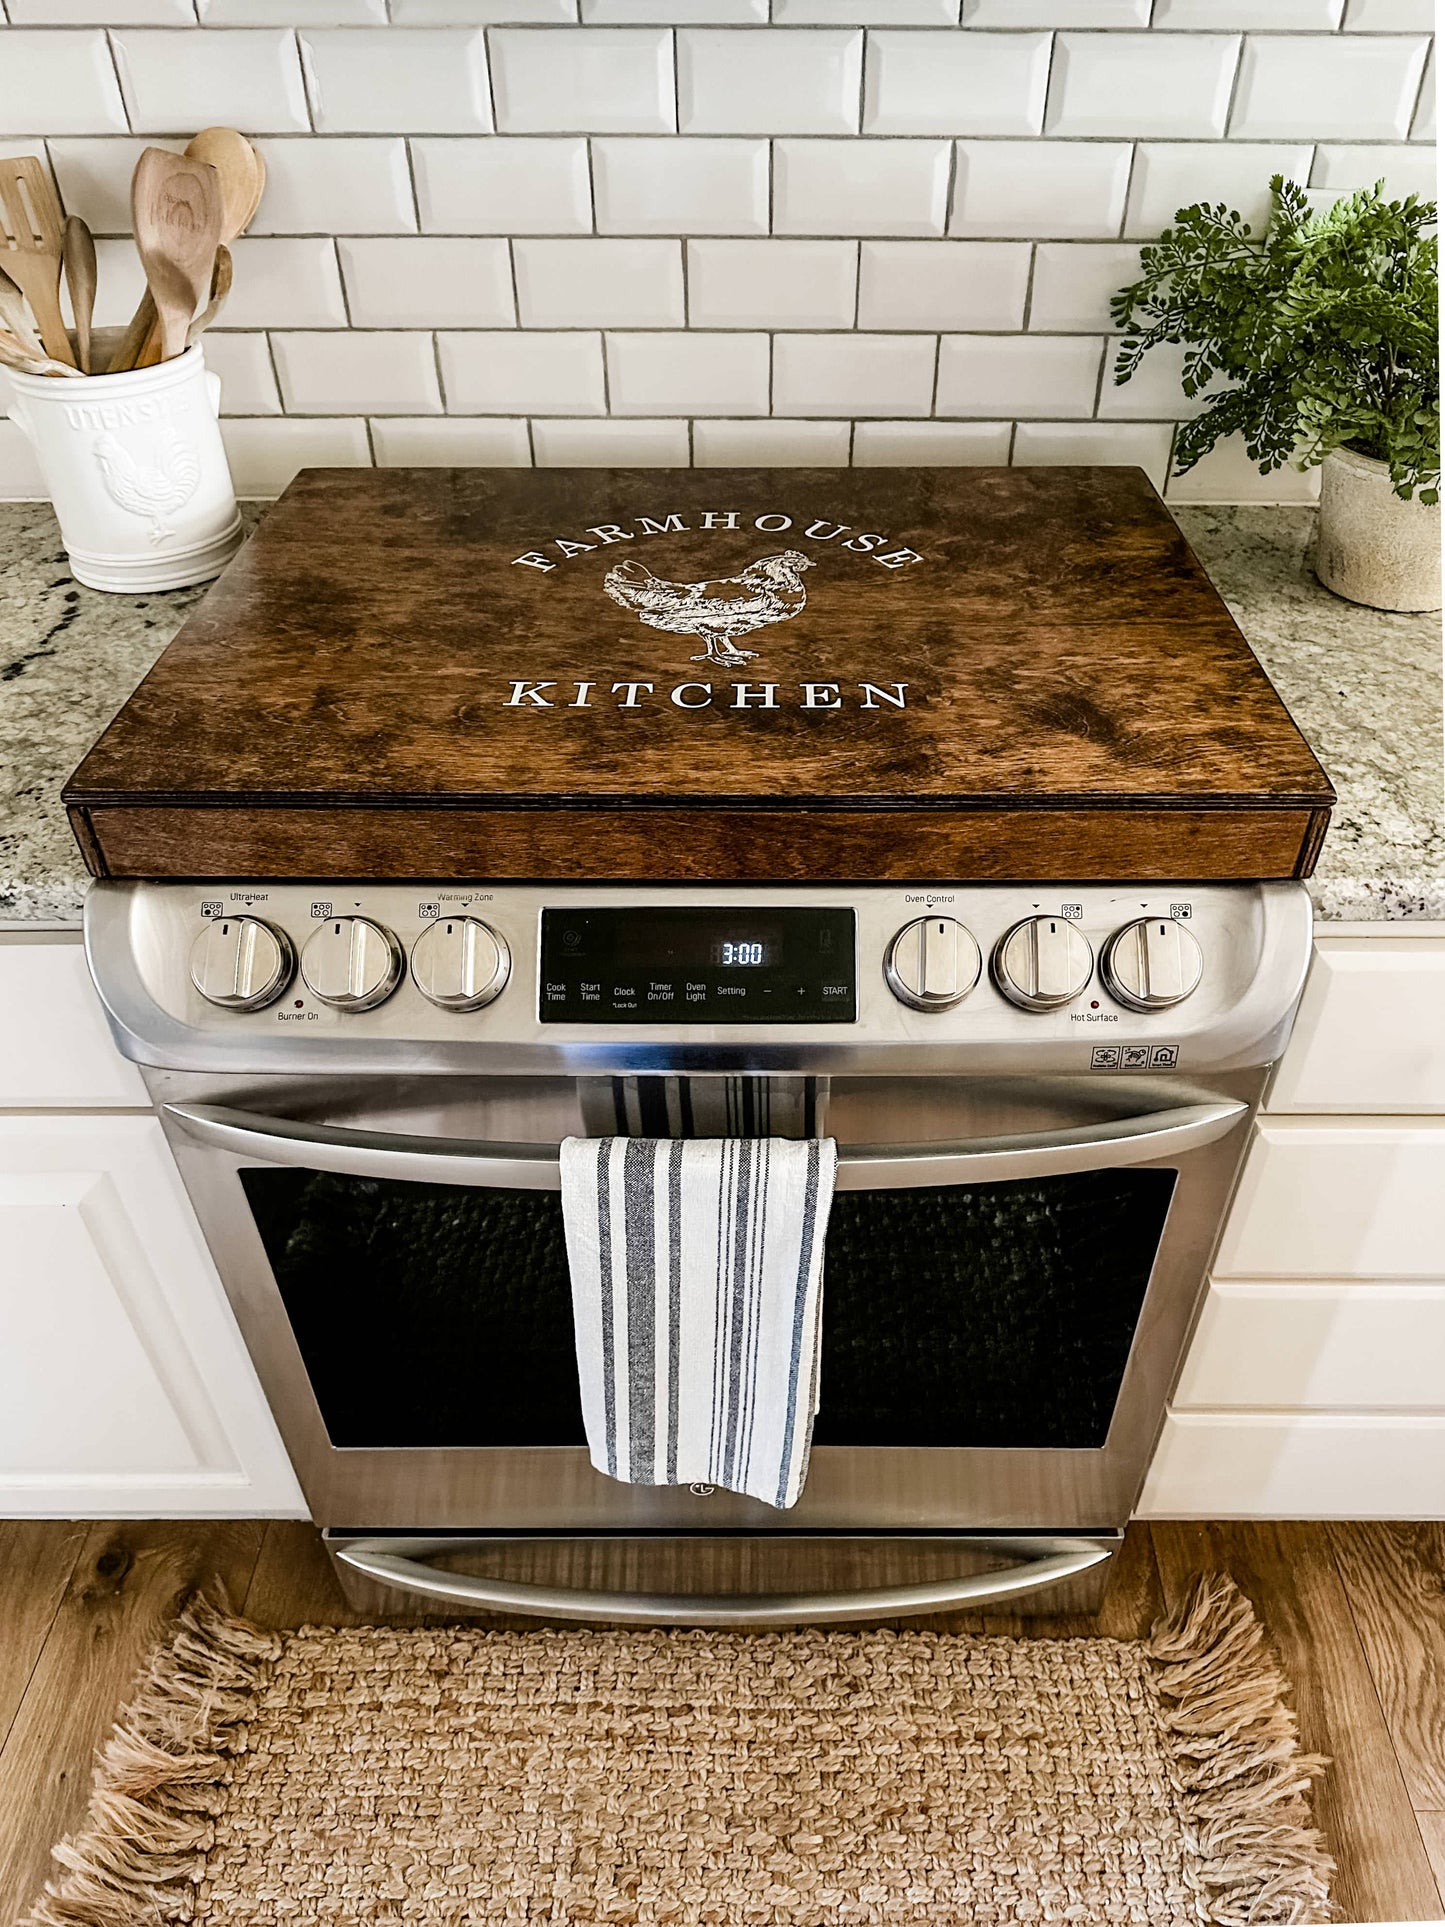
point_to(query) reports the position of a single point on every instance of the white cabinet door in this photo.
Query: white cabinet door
(55, 1050)
(1276, 1465)
(1339, 1199)
(1371, 1030)
(125, 1389)
(1317, 1347)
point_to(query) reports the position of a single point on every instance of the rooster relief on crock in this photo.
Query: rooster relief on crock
(717, 612)
(157, 488)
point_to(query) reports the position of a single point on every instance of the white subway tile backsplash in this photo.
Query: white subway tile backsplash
(1245, 15)
(120, 283)
(956, 83)
(392, 80)
(1017, 375)
(688, 374)
(523, 373)
(1423, 128)
(673, 13)
(265, 455)
(764, 81)
(942, 284)
(284, 283)
(245, 77)
(681, 184)
(772, 284)
(1045, 189)
(1153, 392)
(1360, 87)
(610, 444)
(1146, 85)
(865, 13)
(101, 13)
(427, 281)
(248, 381)
(441, 441)
(1073, 284)
(931, 444)
(583, 80)
(853, 374)
(93, 177)
(503, 186)
(1227, 474)
(860, 187)
(292, 13)
(1404, 170)
(353, 186)
(357, 372)
(1107, 444)
(483, 13)
(770, 444)
(599, 284)
(1390, 16)
(1050, 13)
(1175, 174)
(58, 83)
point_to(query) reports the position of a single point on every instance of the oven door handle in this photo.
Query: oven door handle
(1052, 1559)
(862, 1167)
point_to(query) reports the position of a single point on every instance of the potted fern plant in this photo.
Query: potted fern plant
(1318, 342)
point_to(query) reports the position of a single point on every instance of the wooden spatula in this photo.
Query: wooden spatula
(16, 352)
(32, 231)
(177, 211)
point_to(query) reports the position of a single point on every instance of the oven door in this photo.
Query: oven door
(1011, 1270)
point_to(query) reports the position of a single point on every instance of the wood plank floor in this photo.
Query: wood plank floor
(1356, 1612)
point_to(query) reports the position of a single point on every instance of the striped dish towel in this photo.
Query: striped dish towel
(697, 1294)
(699, 1106)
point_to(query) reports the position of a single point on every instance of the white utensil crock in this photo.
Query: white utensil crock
(136, 471)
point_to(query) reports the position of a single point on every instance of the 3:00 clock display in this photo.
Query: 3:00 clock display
(742, 950)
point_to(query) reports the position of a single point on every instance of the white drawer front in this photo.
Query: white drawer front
(1280, 1465)
(1371, 1029)
(1326, 1200)
(55, 1051)
(1374, 1347)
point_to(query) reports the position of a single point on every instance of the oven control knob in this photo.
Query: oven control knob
(352, 963)
(241, 963)
(460, 963)
(1151, 964)
(1043, 963)
(932, 964)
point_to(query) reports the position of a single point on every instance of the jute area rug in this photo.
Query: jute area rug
(461, 1777)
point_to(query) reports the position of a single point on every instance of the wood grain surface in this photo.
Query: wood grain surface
(82, 1661)
(1394, 1577)
(432, 640)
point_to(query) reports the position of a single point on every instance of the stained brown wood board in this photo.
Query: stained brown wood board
(720, 674)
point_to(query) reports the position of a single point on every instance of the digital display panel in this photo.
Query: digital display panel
(689, 964)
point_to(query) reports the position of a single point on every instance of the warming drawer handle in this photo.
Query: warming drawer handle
(1054, 1559)
(861, 1167)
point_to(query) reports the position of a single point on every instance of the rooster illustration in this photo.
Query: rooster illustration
(768, 590)
(157, 490)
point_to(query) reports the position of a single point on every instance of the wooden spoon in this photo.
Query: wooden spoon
(16, 316)
(32, 229)
(17, 353)
(79, 259)
(242, 174)
(177, 212)
(220, 288)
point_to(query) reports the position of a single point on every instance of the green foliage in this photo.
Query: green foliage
(1325, 328)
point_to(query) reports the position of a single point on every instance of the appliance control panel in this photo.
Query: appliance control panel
(1099, 977)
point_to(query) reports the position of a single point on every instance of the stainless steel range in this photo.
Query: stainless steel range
(1041, 1096)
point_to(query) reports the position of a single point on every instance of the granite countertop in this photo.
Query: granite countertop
(1364, 687)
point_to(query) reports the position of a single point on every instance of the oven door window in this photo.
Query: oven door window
(960, 1316)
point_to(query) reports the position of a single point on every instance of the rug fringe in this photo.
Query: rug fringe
(160, 1777)
(1243, 1782)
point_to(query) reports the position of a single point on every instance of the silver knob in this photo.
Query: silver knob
(460, 963)
(352, 963)
(932, 963)
(241, 963)
(1151, 964)
(1043, 963)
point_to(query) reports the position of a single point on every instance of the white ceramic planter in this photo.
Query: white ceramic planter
(1373, 548)
(136, 471)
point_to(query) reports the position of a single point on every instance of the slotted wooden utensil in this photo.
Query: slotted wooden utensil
(177, 212)
(242, 174)
(32, 230)
(78, 257)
